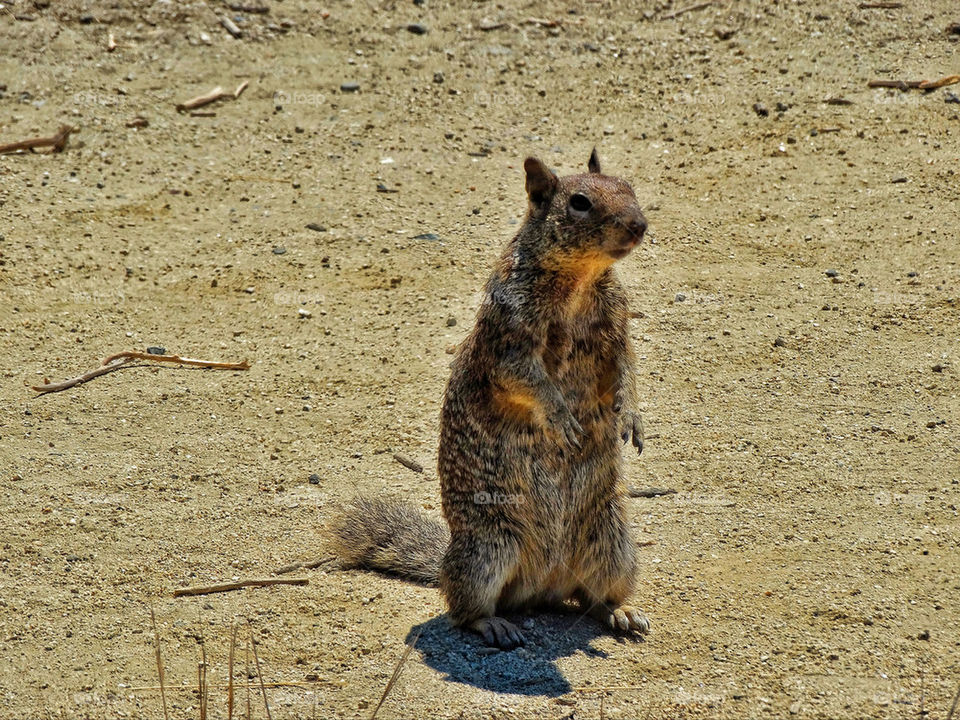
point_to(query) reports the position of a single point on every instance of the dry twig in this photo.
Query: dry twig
(226, 587)
(689, 8)
(396, 674)
(156, 638)
(218, 93)
(407, 462)
(57, 142)
(921, 84)
(880, 5)
(122, 358)
(305, 565)
(256, 660)
(233, 645)
(652, 492)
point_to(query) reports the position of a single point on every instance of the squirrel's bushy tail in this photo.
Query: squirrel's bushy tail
(389, 536)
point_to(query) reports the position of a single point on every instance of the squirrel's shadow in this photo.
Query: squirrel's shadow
(463, 657)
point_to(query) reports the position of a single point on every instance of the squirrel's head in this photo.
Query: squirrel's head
(592, 218)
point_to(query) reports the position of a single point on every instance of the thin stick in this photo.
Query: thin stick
(690, 8)
(942, 82)
(304, 565)
(898, 84)
(407, 462)
(49, 387)
(953, 707)
(880, 5)
(256, 660)
(233, 644)
(396, 674)
(156, 638)
(230, 26)
(202, 677)
(136, 354)
(221, 686)
(651, 492)
(247, 675)
(57, 142)
(226, 587)
(218, 93)
(114, 362)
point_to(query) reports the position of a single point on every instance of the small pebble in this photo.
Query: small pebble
(417, 28)
(314, 479)
(317, 227)
(831, 273)
(760, 110)
(426, 236)
(279, 251)
(157, 350)
(349, 87)
(451, 321)
(900, 179)
(304, 313)
(679, 297)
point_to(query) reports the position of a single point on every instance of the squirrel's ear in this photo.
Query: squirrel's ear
(593, 164)
(541, 181)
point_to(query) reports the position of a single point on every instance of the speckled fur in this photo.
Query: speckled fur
(540, 398)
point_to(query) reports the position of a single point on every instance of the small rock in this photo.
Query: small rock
(157, 350)
(349, 87)
(724, 33)
(86, 19)
(304, 313)
(438, 77)
(381, 188)
(417, 28)
(924, 635)
(899, 179)
(451, 321)
(679, 297)
(938, 368)
(279, 251)
(783, 107)
(831, 273)
(426, 236)
(316, 227)
(249, 290)
(760, 110)
(949, 97)
(314, 479)
(780, 342)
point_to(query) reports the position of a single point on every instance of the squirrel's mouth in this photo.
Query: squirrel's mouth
(628, 244)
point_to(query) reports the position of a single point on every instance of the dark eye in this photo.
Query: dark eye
(580, 203)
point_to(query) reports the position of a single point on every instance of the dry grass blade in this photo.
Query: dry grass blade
(156, 638)
(202, 677)
(233, 645)
(953, 707)
(256, 661)
(396, 674)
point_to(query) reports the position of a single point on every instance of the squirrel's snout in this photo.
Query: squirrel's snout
(637, 226)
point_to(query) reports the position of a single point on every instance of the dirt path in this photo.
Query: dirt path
(798, 325)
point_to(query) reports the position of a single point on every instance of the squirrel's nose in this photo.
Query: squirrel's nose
(637, 226)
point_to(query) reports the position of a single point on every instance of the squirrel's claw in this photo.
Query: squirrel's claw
(497, 632)
(570, 429)
(633, 427)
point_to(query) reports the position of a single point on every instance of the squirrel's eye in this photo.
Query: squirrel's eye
(580, 203)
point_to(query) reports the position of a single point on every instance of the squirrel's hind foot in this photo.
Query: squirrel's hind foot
(497, 632)
(624, 618)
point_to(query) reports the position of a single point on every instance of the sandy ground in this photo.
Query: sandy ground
(799, 306)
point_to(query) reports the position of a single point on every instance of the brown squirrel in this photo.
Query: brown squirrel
(540, 395)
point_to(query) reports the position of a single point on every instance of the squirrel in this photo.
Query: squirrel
(540, 396)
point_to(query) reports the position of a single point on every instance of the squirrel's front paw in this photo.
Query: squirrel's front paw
(567, 427)
(632, 427)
